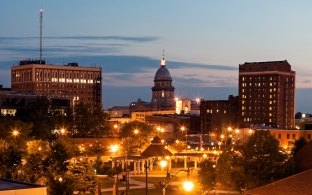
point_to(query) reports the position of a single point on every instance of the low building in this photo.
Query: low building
(10, 187)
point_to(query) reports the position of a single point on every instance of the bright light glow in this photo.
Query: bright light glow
(114, 148)
(197, 100)
(222, 136)
(136, 131)
(15, 133)
(236, 131)
(63, 131)
(163, 163)
(182, 128)
(229, 128)
(188, 186)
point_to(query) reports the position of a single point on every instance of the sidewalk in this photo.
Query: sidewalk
(137, 185)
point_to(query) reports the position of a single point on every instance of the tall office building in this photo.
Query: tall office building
(267, 94)
(163, 91)
(79, 84)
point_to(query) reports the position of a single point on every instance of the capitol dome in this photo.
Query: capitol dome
(162, 73)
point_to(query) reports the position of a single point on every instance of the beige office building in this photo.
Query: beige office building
(79, 84)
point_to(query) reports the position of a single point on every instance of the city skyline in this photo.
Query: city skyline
(204, 42)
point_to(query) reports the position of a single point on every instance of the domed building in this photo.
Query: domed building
(163, 91)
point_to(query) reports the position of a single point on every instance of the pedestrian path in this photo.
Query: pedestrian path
(135, 185)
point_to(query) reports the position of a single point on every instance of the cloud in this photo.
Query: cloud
(142, 39)
(115, 38)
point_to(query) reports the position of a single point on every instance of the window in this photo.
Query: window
(279, 136)
(288, 136)
(293, 136)
(309, 136)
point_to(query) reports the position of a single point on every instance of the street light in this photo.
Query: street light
(114, 149)
(15, 133)
(183, 129)
(136, 132)
(188, 185)
(146, 166)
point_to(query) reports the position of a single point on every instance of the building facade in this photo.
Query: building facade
(217, 115)
(80, 84)
(267, 94)
(162, 91)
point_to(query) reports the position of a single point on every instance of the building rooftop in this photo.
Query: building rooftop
(6, 184)
(294, 185)
(283, 66)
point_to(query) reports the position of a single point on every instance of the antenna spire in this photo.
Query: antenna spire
(40, 58)
(163, 61)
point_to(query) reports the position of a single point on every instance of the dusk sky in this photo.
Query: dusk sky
(204, 42)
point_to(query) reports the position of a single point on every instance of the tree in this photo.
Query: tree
(57, 159)
(179, 145)
(10, 159)
(135, 135)
(8, 125)
(226, 169)
(257, 162)
(39, 116)
(262, 159)
(37, 147)
(299, 143)
(33, 171)
(207, 174)
(84, 176)
(89, 121)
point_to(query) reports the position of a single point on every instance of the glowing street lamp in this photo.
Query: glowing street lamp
(163, 163)
(114, 148)
(136, 131)
(188, 186)
(63, 131)
(15, 133)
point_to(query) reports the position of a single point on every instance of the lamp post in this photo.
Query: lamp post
(184, 131)
(114, 149)
(188, 185)
(136, 132)
(146, 166)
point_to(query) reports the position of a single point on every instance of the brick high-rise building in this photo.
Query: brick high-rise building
(217, 115)
(267, 94)
(79, 84)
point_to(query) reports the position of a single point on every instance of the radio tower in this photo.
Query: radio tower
(41, 11)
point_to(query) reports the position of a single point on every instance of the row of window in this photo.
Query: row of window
(289, 136)
(210, 111)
